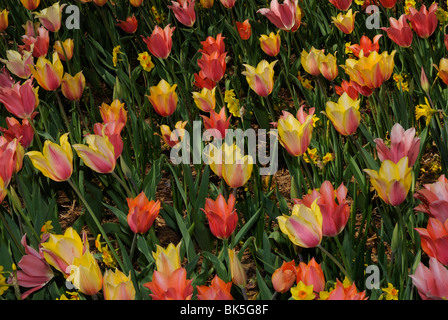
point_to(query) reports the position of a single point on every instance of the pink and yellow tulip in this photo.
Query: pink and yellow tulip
(99, 154)
(285, 16)
(55, 161)
(51, 17)
(48, 74)
(64, 49)
(163, 98)
(18, 64)
(270, 44)
(344, 114)
(73, 87)
(261, 78)
(431, 282)
(345, 22)
(172, 138)
(205, 100)
(20, 99)
(167, 260)
(85, 274)
(310, 61)
(236, 167)
(117, 286)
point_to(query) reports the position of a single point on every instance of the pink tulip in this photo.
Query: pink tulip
(228, 3)
(435, 239)
(21, 99)
(41, 43)
(160, 41)
(8, 159)
(23, 132)
(35, 272)
(18, 64)
(113, 131)
(432, 282)
(434, 199)
(341, 4)
(424, 22)
(285, 16)
(402, 144)
(399, 31)
(184, 11)
(6, 81)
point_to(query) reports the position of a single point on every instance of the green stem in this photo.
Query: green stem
(36, 135)
(97, 222)
(328, 254)
(123, 184)
(134, 241)
(270, 107)
(17, 205)
(63, 114)
(17, 242)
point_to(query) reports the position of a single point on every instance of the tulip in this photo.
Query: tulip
(237, 271)
(61, 250)
(115, 112)
(350, 292)
(205, 100)
(434, 199)
(443, 70)
(184, 11)
(366, 46)
(100, 3)
(118, 286)
(207, 4)
(221, 215)
(244, 29)
(51, 17)
(432, 282)
(163, 98)
(434, 239)
(8, 159)
(284, 277)
(218, 290)
(3, 20)
(310, 61)
(73, 87)
(213, 65)
(295, 132)
(128, 26)
(392, 181)
(304, 226)
(212, 44)
(311, 274)
(328, 66)
(217, 124)
(214, 158)
(371, 71)
(3, 190)
(142, 213)
(285, 16)
(399, 31)
(424, 82)
(201, 81)
(18, 64)
(136, 3)
(21, 99)
(172, 138)
(34, 271)
(23, 132)
(64, 49)
(341, 4)
(30, 4)
(160, 41)
(402, 144)
(6, 81)
(170, 287)
(37, 44)
(236, 168)
(85, 274)
(228, 3)
(167, 260)
(112, 130)
(261, 78)
(345, 22)
(424, 22)
(270, 44)
(388, 4)
(349, 88)
(99, 155)
(445, 40)
(55, 161)
(48, 74)
(344, 114)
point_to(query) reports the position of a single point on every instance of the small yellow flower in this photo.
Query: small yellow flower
(347, 48)
(233, 104)
(346, 283)
(400, 82)
(46, 228)
(424, 110)
(3, 285)
(107, 257)
(302, 292)
(442, 15)
(313, 155)
(156, 14)
(145, 61)
(307, 84)
(327, 158)
(72, 295)
(315, 120)
(359, 2)
(115, 53)
(392, 293)
(323, 295)
(408, 4)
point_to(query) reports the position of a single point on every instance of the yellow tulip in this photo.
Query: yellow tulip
(55, 161)
(344, 114)
(64, 49)
(30, 4)
(236, 168)
(85, 274)
(205, 100)
(163, 98)
(167, 260)
(304, 226)
(328, 66)
(345, 22)
(239, 276)
(392, 181)
(73, 87)
(4, 20)
(118, 286)
(261, 78)
(310, 61)
(270, 44)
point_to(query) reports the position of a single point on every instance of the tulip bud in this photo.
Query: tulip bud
(239, 276)
(424, 82)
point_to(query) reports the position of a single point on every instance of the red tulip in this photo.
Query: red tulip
(399, 31)
(160, 41)
(366, 45)
(23, 132)
(8, 159)
(244, 29)
(142, 213)
(211, 45)
(341, 4)
(388, 4)
(201, 81)
(20, 99)
(6, 81)
(434, 199)
(38, 44)
(349, 88)
(213, 66)
(128, 26)
(217, 123)
(435, 239)
(221, 215)
(424, 22)
(340, 292)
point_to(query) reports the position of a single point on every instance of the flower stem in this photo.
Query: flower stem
(134, 241)
(328, 254)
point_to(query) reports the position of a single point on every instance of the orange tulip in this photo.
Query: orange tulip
(142, 213)
(128, 26)
(218, 290)
(311, 274)
(366, 46)
(217, 124)
(136, 3)
(174, 286)
(212, 44)
(341, 4)
(207, 4)
(3, 20)
(64, 50)
(221, 215)
(244, 29)
(115, 112)
(30, 4)
(213, 65)
(163, 98)
(349, 292)
(100, 2)
(284, 277)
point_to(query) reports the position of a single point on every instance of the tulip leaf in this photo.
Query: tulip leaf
(245, 228)
(265, 293)
(219, 266)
